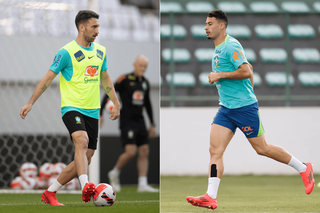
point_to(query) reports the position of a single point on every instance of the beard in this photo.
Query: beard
(89, 38)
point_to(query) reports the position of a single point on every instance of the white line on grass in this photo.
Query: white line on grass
(28, 204)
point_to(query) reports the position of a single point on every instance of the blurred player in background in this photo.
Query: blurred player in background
(233, 76)
(83, 65)
(134, 91)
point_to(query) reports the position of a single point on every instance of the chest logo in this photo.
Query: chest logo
(144, 85)
(79, 56)
(216, 61)
(91, 70)
(99, 54)
(137, 97)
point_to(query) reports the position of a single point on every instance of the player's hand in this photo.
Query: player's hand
(115, 113)
(152, 132)
(24, 110)
(101, 121)
(213, 77)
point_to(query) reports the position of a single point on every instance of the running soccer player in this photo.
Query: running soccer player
(233, 76)
(83, 65)
(134, 94)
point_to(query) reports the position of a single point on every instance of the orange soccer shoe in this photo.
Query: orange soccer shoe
(88, 191)
(50, 197)
(307, 177)
(203, 201)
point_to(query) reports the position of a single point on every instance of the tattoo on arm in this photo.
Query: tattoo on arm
(108, 89)
(44, 88)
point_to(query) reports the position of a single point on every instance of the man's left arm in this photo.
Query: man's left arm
(147, 104)
(109, 89)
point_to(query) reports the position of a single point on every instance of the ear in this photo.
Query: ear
(81, 27)
(221, 25)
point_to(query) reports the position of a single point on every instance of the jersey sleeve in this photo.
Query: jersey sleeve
(60, 61)
(104, 64)
(236, 53)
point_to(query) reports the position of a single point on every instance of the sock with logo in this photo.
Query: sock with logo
(55, 186)
(83, 180)
(298, 165)
(213, 182)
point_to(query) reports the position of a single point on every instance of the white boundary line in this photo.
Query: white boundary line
(10, 191)
(35, 204)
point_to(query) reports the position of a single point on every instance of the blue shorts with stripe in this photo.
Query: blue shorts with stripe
(246, 118)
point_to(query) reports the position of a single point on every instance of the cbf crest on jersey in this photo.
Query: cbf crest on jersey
(144, 85)
(216, 61)
(79, 56)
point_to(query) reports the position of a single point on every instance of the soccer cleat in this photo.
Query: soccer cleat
(147, 188)
(203, 201)
(50, 197)
(88, 191)
(114, 180)
(307, 178)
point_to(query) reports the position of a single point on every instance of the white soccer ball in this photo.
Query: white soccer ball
(57, 168)
(28, 183)
(16, 183)
(28, 170)
(45, 170)
(73, 184)
(105, 195)
(109, 106)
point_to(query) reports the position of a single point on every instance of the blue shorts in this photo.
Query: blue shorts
(246, 118)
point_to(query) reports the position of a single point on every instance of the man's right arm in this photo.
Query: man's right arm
(60, 61)
(41, 87)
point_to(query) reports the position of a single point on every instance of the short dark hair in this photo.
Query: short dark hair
(84, 15)
(220, 15)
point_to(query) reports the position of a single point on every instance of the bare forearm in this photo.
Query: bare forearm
(109, 89)
(237, 74)
(41, 88)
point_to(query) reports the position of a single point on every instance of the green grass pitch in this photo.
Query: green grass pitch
(128, 200)
(245, 193)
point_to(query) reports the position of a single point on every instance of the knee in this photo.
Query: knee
(131, 152)
(144, 152)
(263, 150)
(215, 151)
(81, 142)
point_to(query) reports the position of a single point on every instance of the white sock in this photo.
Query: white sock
(298, 165)
(83, 180)
(55, 186)
(142, 181)
(213, 186)
(116, 171)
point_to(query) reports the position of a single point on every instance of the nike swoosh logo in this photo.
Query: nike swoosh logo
(90, 57)
(249, 133)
